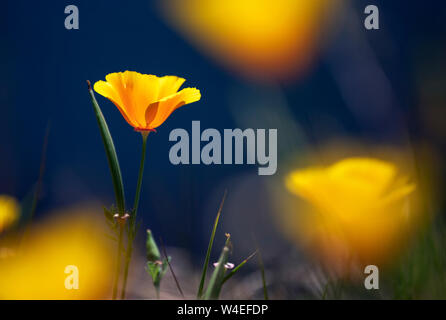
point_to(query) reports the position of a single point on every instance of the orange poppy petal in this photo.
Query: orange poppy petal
(159, 111)
(124, 83)
(169, 85)
(107, 90)
(145, 91)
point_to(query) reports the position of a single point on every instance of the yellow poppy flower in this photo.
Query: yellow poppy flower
(67, 257)
(144, 100)
(9, 211)
(256, 37)
(358, 210)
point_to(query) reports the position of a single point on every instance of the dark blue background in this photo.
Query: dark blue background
(44, 68)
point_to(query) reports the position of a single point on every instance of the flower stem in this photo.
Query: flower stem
(118, 262)
(132, 225)
(141, 171)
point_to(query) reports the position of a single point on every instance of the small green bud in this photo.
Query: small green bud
(152, 251)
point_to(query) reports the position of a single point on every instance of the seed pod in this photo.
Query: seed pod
(152, 251)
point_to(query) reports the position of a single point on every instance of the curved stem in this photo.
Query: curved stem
(132, 225)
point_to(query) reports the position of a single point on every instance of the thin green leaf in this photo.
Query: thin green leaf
(211, 242)
(262, 269)
(29, 204)
(113, 238)
(41, 171)
(216, 281)
(111, 153)
(108, 215)
(237, 268)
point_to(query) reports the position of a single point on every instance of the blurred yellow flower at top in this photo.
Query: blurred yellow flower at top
(9, 211)
(273, 38)
(358, 210)
(145, 100)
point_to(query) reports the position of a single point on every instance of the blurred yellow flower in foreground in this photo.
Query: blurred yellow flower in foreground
(258, 37)
(9, 211)
(358, 210)
(56, 255)
(145, 100)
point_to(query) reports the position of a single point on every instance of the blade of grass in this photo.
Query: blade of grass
(325, 291)
(115, 171)
(110, 152)
(211, 242)
(30, 202)
(234, 271)
(216, 282)
(41, 172)
(163, 248)
(262, 269)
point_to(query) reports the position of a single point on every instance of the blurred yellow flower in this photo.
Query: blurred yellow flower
(145, 101)
(66, 258)
(9, 211)
(257, 37)
(358, 210)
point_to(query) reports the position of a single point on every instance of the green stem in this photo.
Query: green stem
(127, 265)
(132, 224)
(140, 174)
(118, 262)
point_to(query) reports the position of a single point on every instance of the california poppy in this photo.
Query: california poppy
(258, 38)
(357, 209)
(144, 100)
(68, 251)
